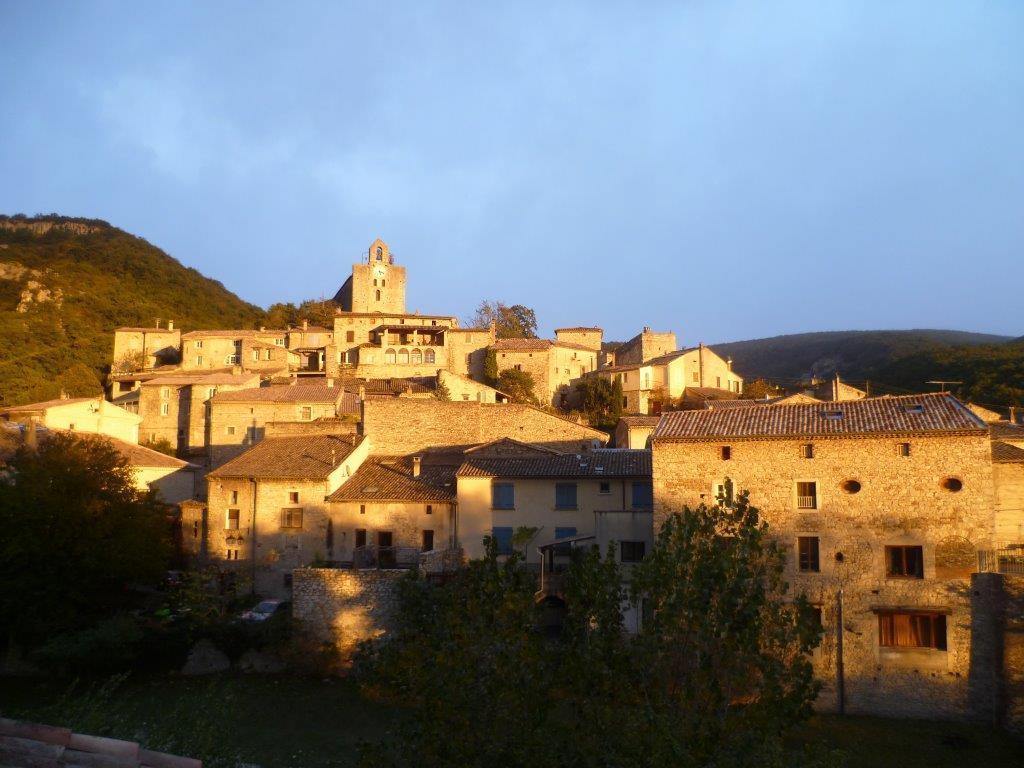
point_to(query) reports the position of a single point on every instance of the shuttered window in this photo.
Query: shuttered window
(503, 496)
(565, 496)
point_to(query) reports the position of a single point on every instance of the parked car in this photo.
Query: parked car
(264, 610)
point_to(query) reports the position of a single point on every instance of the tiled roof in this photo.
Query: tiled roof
(49, 404)
(535, 345)
(1006, 430)
(641, 421)
(31, 744)
(286, 393)
(231, 333)
(708, 393)
(141, 456)
(668, 357)
(601, 463)
(880, 415)
(303, 457)
(148, 330)
(188, 379)
(389, 478)
(580, 328)
(419, 385)
(1004, 453)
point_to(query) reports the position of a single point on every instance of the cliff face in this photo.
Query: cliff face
(66, 283)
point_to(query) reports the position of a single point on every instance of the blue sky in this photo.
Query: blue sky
(727, 170)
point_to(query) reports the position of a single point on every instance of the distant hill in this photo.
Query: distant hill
(66, 283)
(991, 367)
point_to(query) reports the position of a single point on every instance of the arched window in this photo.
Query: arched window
(416, 357)
(389, 357)
(403, 357)
(378, 295)
(428, 356)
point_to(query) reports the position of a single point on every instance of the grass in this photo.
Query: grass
(299, 722)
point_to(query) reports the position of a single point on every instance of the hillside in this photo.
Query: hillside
(66, 283)
(991, 367)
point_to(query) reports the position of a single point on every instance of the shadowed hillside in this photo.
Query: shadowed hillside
(66, 283)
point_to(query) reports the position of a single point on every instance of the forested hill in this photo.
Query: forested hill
(66, 283)
(990, 367)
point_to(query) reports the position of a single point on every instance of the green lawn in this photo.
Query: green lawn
(295, 722)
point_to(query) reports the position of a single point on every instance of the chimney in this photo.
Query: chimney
(647, 329)
(362, 393)
(170, 325)
(330, 383)
(305, 325)
(416, 462)
(1013, 414)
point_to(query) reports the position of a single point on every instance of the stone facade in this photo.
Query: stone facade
(403, 426)
(403, 523)
(554, 365)
(645, 345)
(150, 346)
(91, 415)
(464, 389)
(591, 338)
(262, 351)
(867, 498)
(376, 285)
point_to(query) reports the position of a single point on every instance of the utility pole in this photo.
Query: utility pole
(942, 384)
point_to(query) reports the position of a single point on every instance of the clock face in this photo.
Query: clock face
(378, 271)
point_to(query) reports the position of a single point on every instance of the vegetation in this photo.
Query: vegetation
(518, 385)
(510, 322)
(77, 535)
(601, 401)
(720, 632)
(316, 311)
(759, 389)
(441, 392)
(65, 284)
(491, 368)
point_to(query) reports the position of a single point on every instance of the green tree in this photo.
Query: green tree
(510, 322)
(595, 394)
(518, 385)
(617, 400)
(441, 392)
(758, 389)
(491, 368)
(76, 533)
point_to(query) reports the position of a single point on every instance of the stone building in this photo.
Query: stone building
(238, 418)
(590, 337)
(1008, 471)
(375, 286)
(266, 511)
(634, 431)
(554, 365)
(174, 408)
(666, 378)
(145, 348)
(79, 414)
(882, 505)
(645, 346)
(308, 348)
(253, 351)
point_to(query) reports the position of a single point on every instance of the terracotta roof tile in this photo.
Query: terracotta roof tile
(1004, 453)
(1006, 430)
(232, 333)
(580, 328)
(188, 379)
(880, 415)
(418, 385)
(302, 457)
(641, 421)
(606, 462)
(286, 393)
(389, 478)
(41, 406)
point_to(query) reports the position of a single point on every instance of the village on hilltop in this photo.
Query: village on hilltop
(320, 464)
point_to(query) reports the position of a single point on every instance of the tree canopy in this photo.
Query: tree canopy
(518, 385)
(510, 321)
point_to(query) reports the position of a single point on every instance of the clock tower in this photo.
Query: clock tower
(376, 285)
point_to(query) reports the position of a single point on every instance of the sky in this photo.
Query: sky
(726, 170)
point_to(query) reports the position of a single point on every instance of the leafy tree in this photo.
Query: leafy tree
(511, 322)
(758, 389)
(76, 533)
(617, 398)
(441, 392)
(161, 445)
(595, 394)
(491, 368)
(518, 385)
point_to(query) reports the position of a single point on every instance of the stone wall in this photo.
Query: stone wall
(345, 607)
(900, 501)
(402, 426)
(236, 426)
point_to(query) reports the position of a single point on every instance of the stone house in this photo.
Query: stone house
(464, 389)
(79, 414)
(267, 512)
(238, 419)
(173, 480)
(554, 365)
(666, 378)
(882, 506)
(175, 408)
(145, 347)
(634, 431)
(590, 337)
(645, 346)
(308, 347)
(1008, 474)
(253, 351)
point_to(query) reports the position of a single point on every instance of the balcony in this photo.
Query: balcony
(807, 502)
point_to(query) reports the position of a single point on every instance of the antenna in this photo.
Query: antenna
(942, 384)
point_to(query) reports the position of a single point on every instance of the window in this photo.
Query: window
(851, 486)
(696, 378)
(953, 484)
(914, 408)
(428, 356)
(165, 409)
(403, 357)
(199, 343)
(807, 495)
(416, 358)
(231, 519)
(726, 452)
(912, 630)
(362, 509)
(834, 415)
(643, 495)
(604, 487)
(293, 497)
(234, 497)
(718, 381)
(306, 413)
(430, 509)
(807, 554)
(503, 539)
(369, 357)
(199, 359)
(807, 450)
(255, 355)
(904, 562)
(903, 449)
(231, 554)
(350, 336)
(632, 551)
(266, 354)
(229, 430)
(428, 541)
(565, 495)
(503, 496)
(360, 537)
(231, 360)
(378, 295)
(165, 393)
(291, 517)
(278, 342)
(210, 392)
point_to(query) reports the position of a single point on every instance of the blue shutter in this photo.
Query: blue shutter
(565, 495)
(503, 496)
(503, 538)
(643, 496)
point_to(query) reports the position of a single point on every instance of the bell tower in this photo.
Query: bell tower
(376, 285)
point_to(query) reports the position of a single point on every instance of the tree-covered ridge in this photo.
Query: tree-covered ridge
(67, 283)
